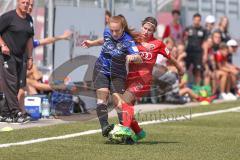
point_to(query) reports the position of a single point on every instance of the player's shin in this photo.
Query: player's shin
(120, 116)
(127, 114)
(128, 118)
(135, 126)
(102, 114)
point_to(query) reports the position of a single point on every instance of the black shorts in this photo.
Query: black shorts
(21, 68)
(195, 59)
(114, 84)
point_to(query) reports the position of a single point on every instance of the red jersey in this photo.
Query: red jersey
(140, 75)
(175, 31)
(219, 58)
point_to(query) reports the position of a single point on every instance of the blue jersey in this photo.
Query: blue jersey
(112, 59)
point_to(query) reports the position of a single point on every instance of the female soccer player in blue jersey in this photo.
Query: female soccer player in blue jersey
(110, 73)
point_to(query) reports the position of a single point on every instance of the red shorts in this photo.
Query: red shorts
(140, 86)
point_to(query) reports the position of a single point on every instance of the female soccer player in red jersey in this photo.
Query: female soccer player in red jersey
(139, 79)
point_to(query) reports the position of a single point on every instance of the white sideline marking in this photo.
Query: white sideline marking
(97, 131)
(50, 138)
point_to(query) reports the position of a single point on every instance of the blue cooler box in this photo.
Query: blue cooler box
(33, 107)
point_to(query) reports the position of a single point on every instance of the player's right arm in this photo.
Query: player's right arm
(97, 42)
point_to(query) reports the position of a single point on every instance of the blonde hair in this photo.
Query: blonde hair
(221, 21)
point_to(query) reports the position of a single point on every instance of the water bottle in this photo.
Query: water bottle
(45, 108)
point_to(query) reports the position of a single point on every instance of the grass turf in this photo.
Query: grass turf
(61, 129)
(212, 137)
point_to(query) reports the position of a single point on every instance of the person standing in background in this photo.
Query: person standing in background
(209, 24)
(223, 28)
(108, 15)
(16, 41)
(35, 82)
(195, 36)
(175, 29)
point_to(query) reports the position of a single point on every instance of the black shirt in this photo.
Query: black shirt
(196, 36)
(16, 31)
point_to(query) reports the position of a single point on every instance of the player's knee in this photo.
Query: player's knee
(101, 101)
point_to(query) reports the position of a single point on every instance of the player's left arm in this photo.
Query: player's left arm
(173, 61)
(166, 53)
(136, 58)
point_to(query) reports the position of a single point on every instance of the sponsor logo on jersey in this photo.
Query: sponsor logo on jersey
(109, 45)
(138, 87)
(146, 55)
(149, 46)
(152, 46)
(119, 46)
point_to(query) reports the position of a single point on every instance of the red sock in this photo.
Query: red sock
(128, 114)
(128, 118)
(199, 99)
(135, 127)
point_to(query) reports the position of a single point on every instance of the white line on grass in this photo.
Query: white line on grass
(89, 132)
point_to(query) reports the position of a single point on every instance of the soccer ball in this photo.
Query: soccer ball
(120, 134)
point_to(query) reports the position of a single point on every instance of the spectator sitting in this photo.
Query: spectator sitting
(185, 91)
(181, 54)
(209, 65)
(165, 76)
(168, 81)
(34, 82)
(36, 74)
(229, 69)
(232, 49)
(216, 40)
